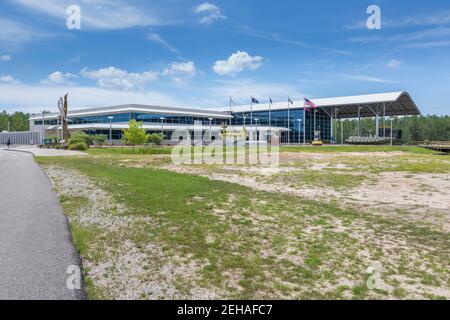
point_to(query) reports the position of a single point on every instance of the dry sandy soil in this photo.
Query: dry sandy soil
(412, 196)
(373, 184)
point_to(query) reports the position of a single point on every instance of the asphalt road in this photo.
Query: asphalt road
(36, 249)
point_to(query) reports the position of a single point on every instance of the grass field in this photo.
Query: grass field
(331, 149)
(147, 229)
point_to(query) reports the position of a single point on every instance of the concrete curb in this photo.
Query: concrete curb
(16, 150)
(38, 153)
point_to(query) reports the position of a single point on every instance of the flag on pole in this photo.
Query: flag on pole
(309, 105)
(270, 100)
(255, 100)
(290, 101)
(232, 101)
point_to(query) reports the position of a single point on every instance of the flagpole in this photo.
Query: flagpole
(230, 114)
(251, 120)
(289, 120)
(304, 126)
(314, 110)
(270, 119)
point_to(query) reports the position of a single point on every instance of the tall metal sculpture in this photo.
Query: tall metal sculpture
(63, 110)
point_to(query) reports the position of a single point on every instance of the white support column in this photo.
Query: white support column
(377, 125)
(332, 128)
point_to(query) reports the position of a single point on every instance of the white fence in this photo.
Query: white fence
(20, 138)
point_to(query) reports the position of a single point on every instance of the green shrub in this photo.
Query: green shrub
(156, 138)
(99, 139)
(80, 136)
(51, 140)
(79, 146)
(135, 134)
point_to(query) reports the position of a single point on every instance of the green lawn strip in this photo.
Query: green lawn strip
(411, 163)
(130, 151)
(232, 229)
(334, 149)
(87, 240)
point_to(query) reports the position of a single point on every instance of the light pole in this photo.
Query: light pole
(335, 133)
(245, 129)
(257, 120)
(299, 131)
(210, 129)
(315, 111)
(43, 127)
(392, 135)
(359, 121)
(110, 130)
(162, 127)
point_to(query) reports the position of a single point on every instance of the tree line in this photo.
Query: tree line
(414, 129)
(17, 121)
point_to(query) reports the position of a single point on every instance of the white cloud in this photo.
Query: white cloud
(186, 68)
(158, 39)
(237, 62)
(33, 98)
(96, 14)
(59, 78)
(435, 19)
(427, 38)
(394, 63)
(276, 37)
(438, 18)
(5, 57)
(13, 33)
(113, 77)
(365, 78)
(9, 79)
(208, 13)
(180, 71)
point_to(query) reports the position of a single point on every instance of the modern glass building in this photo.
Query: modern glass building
(299, 122)
(290, 120)
(115, 119)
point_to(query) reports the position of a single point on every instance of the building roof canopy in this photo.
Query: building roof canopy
(396, 103)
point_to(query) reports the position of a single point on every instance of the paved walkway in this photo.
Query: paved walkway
(44, 152)
(35, 242)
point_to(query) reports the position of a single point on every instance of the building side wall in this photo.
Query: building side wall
(20, 138)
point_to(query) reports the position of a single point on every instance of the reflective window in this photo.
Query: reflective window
(294, 119)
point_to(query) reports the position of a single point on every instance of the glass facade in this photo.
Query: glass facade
(143, 117)
(50, 122)
(292, 119)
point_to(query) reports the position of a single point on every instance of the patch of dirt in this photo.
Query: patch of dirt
(417, 197)
(100, 210)
(123, 270)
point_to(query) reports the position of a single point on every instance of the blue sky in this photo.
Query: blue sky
(197, 53)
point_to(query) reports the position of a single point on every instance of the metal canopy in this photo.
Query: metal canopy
(387, 104)
(371, 105)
